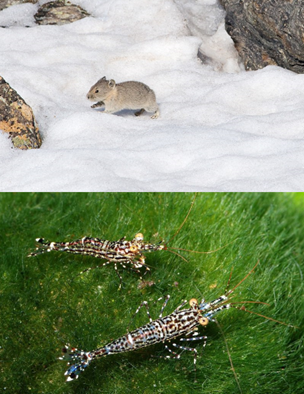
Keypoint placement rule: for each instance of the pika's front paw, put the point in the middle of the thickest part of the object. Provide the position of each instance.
(99, 104)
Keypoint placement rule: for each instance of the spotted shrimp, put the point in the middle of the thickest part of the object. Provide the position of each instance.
(164, 329)
(122, 252)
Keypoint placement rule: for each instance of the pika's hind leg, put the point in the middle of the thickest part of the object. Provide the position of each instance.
(139, 112)
(156, 114)
(153, 108)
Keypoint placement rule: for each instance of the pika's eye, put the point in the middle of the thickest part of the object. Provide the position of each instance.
(96, 91)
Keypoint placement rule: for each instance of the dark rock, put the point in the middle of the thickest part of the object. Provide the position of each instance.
(17, 119)
(59, 13)
(8, 3)
(267, 32)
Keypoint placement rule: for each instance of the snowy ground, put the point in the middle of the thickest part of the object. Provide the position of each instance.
(220, 128)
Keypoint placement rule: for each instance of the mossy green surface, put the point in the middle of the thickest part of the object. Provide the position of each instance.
(44, 303)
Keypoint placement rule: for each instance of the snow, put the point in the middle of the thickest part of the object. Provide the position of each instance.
(220, 128)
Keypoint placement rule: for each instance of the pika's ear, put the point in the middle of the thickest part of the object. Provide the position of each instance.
(112, 83)
(101, 79)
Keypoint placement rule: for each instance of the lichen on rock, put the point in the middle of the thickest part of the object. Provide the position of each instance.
(267, 32)
(8, 3)
(17, 119)
(59, 12)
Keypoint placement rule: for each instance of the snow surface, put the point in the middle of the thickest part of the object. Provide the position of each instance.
(220, 128)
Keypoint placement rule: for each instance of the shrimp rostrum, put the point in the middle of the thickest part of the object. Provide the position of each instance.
(164, 329)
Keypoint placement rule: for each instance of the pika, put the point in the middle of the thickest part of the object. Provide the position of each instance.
(126, 95)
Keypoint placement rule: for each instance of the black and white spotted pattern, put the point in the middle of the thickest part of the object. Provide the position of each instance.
(120, 252)
(180, 322)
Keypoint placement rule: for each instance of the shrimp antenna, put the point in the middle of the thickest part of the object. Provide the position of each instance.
(178, 254)
(265, 317)
(249, 273)
(184, 221)
(229, 355)
(209, 252)
(181, 226)
(251, 302)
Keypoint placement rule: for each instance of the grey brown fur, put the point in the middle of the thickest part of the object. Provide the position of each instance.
(126, 95)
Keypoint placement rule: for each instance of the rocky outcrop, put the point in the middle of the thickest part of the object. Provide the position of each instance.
(267, 32)
(8, 3)
(59, 13)
(17, 119)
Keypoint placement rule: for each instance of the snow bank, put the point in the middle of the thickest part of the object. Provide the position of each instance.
(220, 128)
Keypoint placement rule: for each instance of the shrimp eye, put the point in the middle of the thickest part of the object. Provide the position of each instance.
(203, 321)
(139, 237)
(193, 302)
(134, 248)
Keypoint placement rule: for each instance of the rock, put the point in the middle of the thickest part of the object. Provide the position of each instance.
(8, 3)
(267, 32)
(59, 13)
(17, 119)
